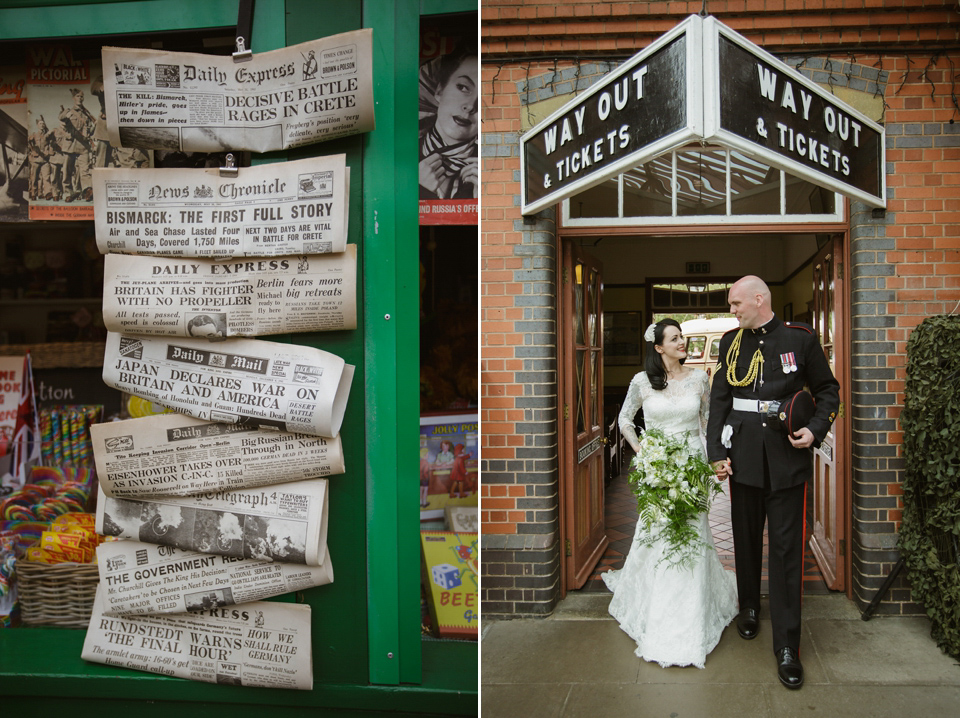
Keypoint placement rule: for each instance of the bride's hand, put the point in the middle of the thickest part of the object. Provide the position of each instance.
(723, 469)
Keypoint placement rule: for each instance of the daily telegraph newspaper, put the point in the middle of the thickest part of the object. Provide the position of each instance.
(294, 96)
(264, 644)
(246, 381)
(298, 207)
(157, 296)
(285, 522)
(177, 455)
(142, 578)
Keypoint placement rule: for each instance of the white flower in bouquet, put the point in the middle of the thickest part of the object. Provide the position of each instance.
(673, 486)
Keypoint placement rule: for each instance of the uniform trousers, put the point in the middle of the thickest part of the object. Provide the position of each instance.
(784, 511)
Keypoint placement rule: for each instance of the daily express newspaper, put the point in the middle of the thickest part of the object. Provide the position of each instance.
(157, 296)
(298, 207)
(247, 381)
(263, 643)
(142, 578)
(177, 455)
(285, 522)
(294, 96)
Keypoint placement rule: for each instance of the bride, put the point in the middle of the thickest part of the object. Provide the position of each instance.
(675, 614)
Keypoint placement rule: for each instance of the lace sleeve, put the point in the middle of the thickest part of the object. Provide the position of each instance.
(704, 384)
(631, 405)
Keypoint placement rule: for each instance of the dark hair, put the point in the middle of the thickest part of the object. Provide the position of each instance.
(653, 364)
(451, 61)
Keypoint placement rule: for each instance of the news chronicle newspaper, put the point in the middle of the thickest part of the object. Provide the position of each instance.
(282, 208)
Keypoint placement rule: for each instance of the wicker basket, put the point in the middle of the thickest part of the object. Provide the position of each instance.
(56, 594)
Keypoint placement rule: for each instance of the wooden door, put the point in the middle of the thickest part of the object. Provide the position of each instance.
(581, 415)
(830, 504)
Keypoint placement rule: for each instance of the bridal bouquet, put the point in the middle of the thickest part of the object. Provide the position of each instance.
(673, 486)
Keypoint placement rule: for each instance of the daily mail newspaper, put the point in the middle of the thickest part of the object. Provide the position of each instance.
(298, 95)
(248, 381)
(157, 296)
(285, 522)
(142, 578)
(263, 643)
(298, 207)
(177, 455)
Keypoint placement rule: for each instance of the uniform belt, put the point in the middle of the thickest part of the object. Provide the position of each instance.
(758, 407)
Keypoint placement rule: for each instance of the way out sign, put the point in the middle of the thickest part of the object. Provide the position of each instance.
(702, 81)
(647, 106)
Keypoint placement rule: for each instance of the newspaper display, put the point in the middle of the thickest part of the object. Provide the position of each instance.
(298, 95)
(264, 644)
(177, 455)
(249, 381)
(141, 578)
(157, 296)
(286, 523)
(283, 208)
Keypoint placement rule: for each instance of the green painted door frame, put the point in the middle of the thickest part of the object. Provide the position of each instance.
(368, 652)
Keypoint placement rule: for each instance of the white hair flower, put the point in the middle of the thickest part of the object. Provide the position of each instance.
(649, 334)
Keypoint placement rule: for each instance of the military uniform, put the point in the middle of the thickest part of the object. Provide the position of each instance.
(769, 475)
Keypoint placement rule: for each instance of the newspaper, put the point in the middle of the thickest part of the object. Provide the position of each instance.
(156, 296)
(264, 643)
(177, 455)
(286, 523)
(298, 207)
(249, 381)
(141, 578)
(298, 95)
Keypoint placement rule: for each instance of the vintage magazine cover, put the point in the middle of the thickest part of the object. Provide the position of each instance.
(263, 644)
(22, 154)
(141, 578)
(177, 455)
(68, 119)
(449, 562)
(298, 95)
(157, 296)
(287, 387)
(285, 522)
(449, 127)
(448, 463)
(282, 208)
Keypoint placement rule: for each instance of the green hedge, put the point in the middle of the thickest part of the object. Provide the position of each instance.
(930, 534)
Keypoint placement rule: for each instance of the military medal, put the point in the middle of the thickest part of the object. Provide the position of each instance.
(789, 362)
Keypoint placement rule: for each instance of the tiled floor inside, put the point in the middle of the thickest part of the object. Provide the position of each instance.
(621, 521)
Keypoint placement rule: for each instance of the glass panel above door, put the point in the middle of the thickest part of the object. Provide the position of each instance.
(702, 185)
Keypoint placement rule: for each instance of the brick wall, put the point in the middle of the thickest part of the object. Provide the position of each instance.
(904, 266)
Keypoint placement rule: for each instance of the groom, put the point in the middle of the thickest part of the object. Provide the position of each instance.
(768, 361)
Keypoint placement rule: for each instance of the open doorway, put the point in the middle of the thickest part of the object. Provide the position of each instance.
(640, 287)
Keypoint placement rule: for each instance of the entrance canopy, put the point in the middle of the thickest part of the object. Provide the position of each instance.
(702, 82)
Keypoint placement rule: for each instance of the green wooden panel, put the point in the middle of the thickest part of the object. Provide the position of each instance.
(23, 20)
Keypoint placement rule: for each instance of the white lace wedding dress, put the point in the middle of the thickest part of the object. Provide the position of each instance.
(675, 615)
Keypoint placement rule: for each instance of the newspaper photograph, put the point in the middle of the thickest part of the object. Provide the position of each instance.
(214, 299)
(262, 644)
(141, 578)
(271, 385)
(294, 96)
(177, 455)
(282, 208)
(285, 523)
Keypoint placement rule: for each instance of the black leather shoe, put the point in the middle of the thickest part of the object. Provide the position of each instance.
(789, 668)
(748, 623)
